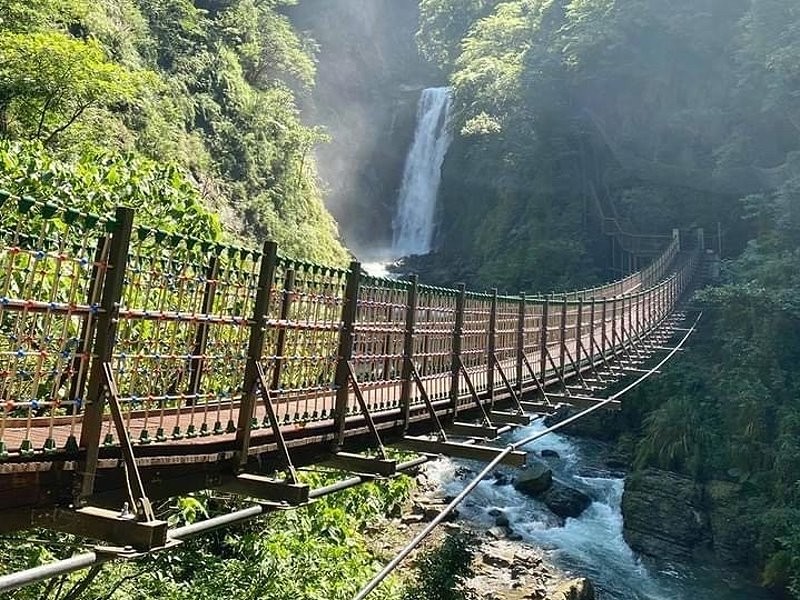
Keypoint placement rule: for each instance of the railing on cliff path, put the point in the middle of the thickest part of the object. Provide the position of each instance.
(109, 326)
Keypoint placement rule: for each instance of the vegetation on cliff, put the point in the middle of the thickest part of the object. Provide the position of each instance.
(207, 88)
(666, 114)
(729, 409)
(671, 114)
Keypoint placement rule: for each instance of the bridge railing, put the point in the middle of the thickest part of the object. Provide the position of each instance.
(187, 327)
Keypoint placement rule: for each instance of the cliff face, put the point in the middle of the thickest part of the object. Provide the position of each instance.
(368, 83)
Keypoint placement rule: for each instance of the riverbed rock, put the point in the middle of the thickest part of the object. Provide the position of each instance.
(664, 515)
(575, 589)
(565, 501)
(534, 479)
(547, 453)
(501, 479)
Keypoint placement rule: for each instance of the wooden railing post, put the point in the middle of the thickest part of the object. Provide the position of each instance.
(408, 352)
(640, 298)
(286, 311)
(592, 341)
(562, 353)
(631, 329)
(255, 346)
(81, 362)
(458, 332)
(543, 339)
(492, 349)
(603, 333)
(345, 352)
(520, 343)
(103, 347)
(578, 334)
(198, 361)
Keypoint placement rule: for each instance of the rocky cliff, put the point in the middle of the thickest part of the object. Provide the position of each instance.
(674, 517)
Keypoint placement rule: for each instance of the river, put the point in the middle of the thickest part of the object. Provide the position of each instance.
(591, 545)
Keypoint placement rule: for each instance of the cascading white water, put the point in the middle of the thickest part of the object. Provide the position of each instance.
(593, 544)
(413, 224)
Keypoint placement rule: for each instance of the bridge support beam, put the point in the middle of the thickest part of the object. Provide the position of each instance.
(356, 463)
(120, 529)
(266, 488)
(460, 450)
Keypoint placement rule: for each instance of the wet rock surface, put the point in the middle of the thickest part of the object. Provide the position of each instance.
(504, 567)
(665, 515)
(565, 501)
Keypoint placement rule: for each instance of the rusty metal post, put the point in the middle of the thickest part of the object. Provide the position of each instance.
(614, 323)
(543, 339)
(639, 316)
(520, 342)
(286, 311)
(78, 382)
(562, 349)
(458, 332)
(603, 334)
(408, 352)
(492, 349)
(103, 347)
(197, 365)
(578, 334)
(255, 346)
(345, 352)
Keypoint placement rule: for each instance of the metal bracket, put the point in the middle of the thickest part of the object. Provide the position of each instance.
(506, 383)
(558, 373)
(283, 449)
(460, 450)
(591, 357)
(427, 400)
(539, 385)
(473, 392)
(351, 373)
(138, 496)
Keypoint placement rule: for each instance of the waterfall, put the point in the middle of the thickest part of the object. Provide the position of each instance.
(413, 225)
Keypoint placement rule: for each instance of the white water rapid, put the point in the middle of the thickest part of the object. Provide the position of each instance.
(413, 225)
(591, 545)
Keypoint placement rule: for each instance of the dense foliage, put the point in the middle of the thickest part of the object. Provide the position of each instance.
(208, 87)
(442, 571)
(729, 410)
(665, 114)
(314, 553)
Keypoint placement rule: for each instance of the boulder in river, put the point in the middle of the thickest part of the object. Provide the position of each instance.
(575, 589)
(534, 479)
(565, 501)
(547, 453)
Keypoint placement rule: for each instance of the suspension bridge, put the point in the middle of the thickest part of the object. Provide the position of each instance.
(138, 364)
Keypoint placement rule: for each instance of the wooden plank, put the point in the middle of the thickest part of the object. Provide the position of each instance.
(105, 525)
(537, 407)
(356, 463)
(265, 488)
(473, 430)
(509, 418)
(587, 402)
(460, 450)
